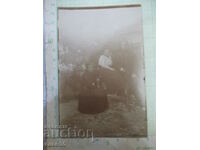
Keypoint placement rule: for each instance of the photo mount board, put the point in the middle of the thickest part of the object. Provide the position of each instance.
(50, 72)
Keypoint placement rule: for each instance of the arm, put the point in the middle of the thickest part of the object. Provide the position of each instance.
(110, 68)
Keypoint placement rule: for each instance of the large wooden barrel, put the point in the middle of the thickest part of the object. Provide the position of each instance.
(92, 101)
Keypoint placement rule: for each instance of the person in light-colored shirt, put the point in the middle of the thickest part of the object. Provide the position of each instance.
(105, 60)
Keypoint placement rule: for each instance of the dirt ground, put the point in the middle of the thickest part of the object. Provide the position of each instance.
(125, 117)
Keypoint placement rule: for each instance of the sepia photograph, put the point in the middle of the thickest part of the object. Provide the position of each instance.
(101, 70)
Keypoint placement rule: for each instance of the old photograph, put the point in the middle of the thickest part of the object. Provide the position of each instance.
(101, 73)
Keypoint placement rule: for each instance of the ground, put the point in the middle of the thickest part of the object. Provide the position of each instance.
(125, 117)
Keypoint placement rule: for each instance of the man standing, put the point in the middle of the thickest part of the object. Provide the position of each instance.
(111, 77)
